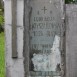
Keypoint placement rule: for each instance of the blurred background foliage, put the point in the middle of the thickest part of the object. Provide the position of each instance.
(1, 16)
(2, 44)
(70, 1)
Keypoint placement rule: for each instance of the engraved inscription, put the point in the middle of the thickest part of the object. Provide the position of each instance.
(45, 32)
(44, 9)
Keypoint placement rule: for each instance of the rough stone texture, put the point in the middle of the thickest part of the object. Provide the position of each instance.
(41, 61)
(45, 16)
(71, 40)
(14, 67)
(28, 13)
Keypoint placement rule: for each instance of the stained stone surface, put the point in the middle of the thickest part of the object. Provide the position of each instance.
(48, 62)
(45, 32)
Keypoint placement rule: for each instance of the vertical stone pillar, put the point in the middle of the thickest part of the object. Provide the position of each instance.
(14, 67)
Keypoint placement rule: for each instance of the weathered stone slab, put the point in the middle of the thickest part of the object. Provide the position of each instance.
(43, 37)
(71, 40)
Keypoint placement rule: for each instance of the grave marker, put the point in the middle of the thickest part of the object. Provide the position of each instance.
(43, 37)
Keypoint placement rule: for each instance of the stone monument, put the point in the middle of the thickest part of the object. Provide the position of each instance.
(35, 38)
(44, 34)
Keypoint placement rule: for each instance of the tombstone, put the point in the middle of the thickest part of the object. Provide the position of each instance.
(44, 37)
(35, 38)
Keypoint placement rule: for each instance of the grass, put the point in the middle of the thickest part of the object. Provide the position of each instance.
(2, 63)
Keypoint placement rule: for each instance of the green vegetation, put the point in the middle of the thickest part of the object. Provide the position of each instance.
(70, 1)
(1, 23)
(1, 16)
(1, 19)
(2, 60)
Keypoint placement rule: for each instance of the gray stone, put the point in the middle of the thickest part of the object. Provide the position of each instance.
(71, 40)
(43, 35)
(14, 67)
